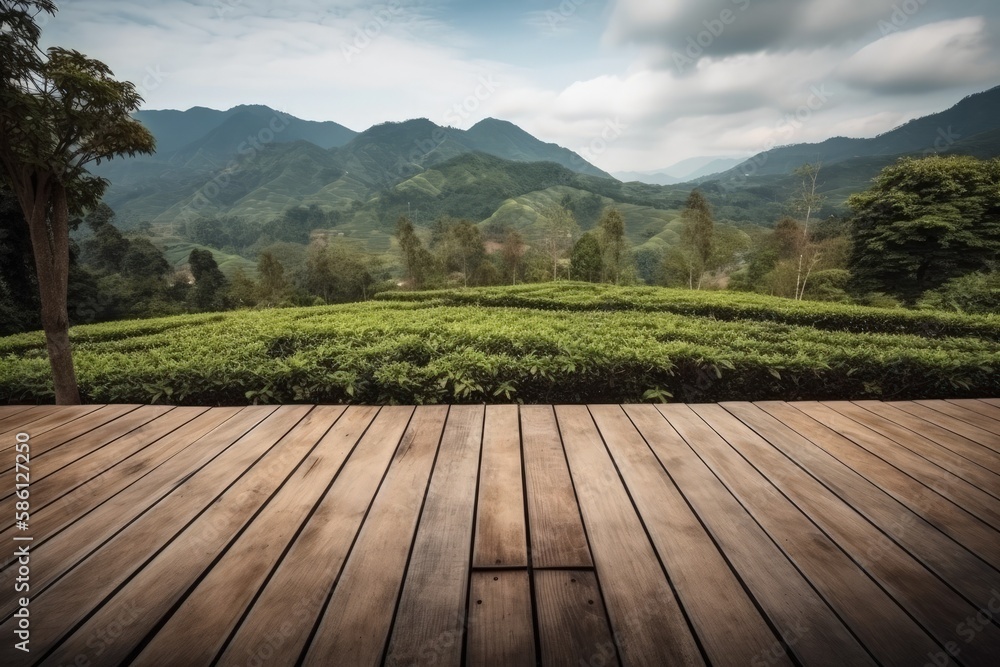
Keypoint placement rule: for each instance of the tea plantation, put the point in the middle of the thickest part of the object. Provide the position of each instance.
(551, 343)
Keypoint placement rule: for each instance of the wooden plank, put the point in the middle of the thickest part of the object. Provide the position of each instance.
(959, 444)
(207, 617)
(500, 535)
(82, 445)
(285, 612)
(50, 518)
(42, 420)
(915, 519)
(982, 407)
(646, 618)
(995, 402)
(930, 601)
(430, 619)
(15, 422)
(958, 412)
(983, 478)
(732, 634)
(183, 487)
(557, 535)
(500, 628)
(97, 460)
(965, 429)
(951, 486)
(779, 556)
(79, 427)
(162, 581)
(356, 626)
(11, 410)
(573, 626)
(249, 562)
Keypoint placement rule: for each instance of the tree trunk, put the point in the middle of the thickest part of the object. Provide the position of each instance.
(50, 245)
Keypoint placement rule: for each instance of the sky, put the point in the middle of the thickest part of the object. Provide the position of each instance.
(632, 85)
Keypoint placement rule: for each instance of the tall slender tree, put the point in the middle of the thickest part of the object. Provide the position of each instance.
(559, 229)
(697, 236)
(59, 111)
(614, 247)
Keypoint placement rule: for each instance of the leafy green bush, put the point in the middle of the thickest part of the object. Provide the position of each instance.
(583, 343)
(972, 293)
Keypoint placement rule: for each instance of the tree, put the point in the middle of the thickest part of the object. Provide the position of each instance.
(416, 259)
(209, 283)
(512, 256)
(614, 247)
(463, 248)
(925, 222)
(696, 237)
(273, 285)
(59, 112)
(806, 203)
(242, 291)
(559, 227)
(585, 262)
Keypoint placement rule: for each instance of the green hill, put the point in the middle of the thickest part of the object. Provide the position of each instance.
(554, 342)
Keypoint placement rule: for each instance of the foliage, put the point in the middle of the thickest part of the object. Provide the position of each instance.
(973, 293)
(925, 222)
(586, 261)
(614, 248)
(560, 229)
(567, 342)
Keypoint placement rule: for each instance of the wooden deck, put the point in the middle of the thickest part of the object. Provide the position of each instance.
(737, 534)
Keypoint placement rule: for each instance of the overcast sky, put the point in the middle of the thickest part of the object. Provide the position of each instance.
(629, 84)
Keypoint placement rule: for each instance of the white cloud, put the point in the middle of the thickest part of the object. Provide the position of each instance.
(946, 54)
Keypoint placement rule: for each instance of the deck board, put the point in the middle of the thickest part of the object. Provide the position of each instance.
(816, 533)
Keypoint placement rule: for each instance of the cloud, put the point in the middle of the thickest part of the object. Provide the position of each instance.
(727, 27)
(942, 55)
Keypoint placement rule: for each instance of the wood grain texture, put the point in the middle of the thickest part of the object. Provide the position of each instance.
(220, 497)
(974, 417)
(930, 601)
(733, 633)
(557, 535)
(356, 625)
(573, 626)
(131, 517)
(166, 579)
(38, 420)
(805, 621)
(951, 486)
(295, 594)
(953, 462)
(971, 450)
(815, 533)
(500, 628)
(645, 615)
(431, 617)
(909, 514)
(955, 424)
(500, 534)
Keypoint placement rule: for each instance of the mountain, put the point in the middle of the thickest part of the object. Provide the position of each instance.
(685, 170)
(506, 140)
(947, 131)
(239, 162)
(176, 130)
(494, 174)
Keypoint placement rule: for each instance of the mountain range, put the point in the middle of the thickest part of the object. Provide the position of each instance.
(255, 162)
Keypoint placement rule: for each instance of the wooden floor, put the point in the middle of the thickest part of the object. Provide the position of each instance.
(736, 534)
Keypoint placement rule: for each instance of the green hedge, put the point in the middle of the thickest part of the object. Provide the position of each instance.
(721, 305)
(419, 349)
